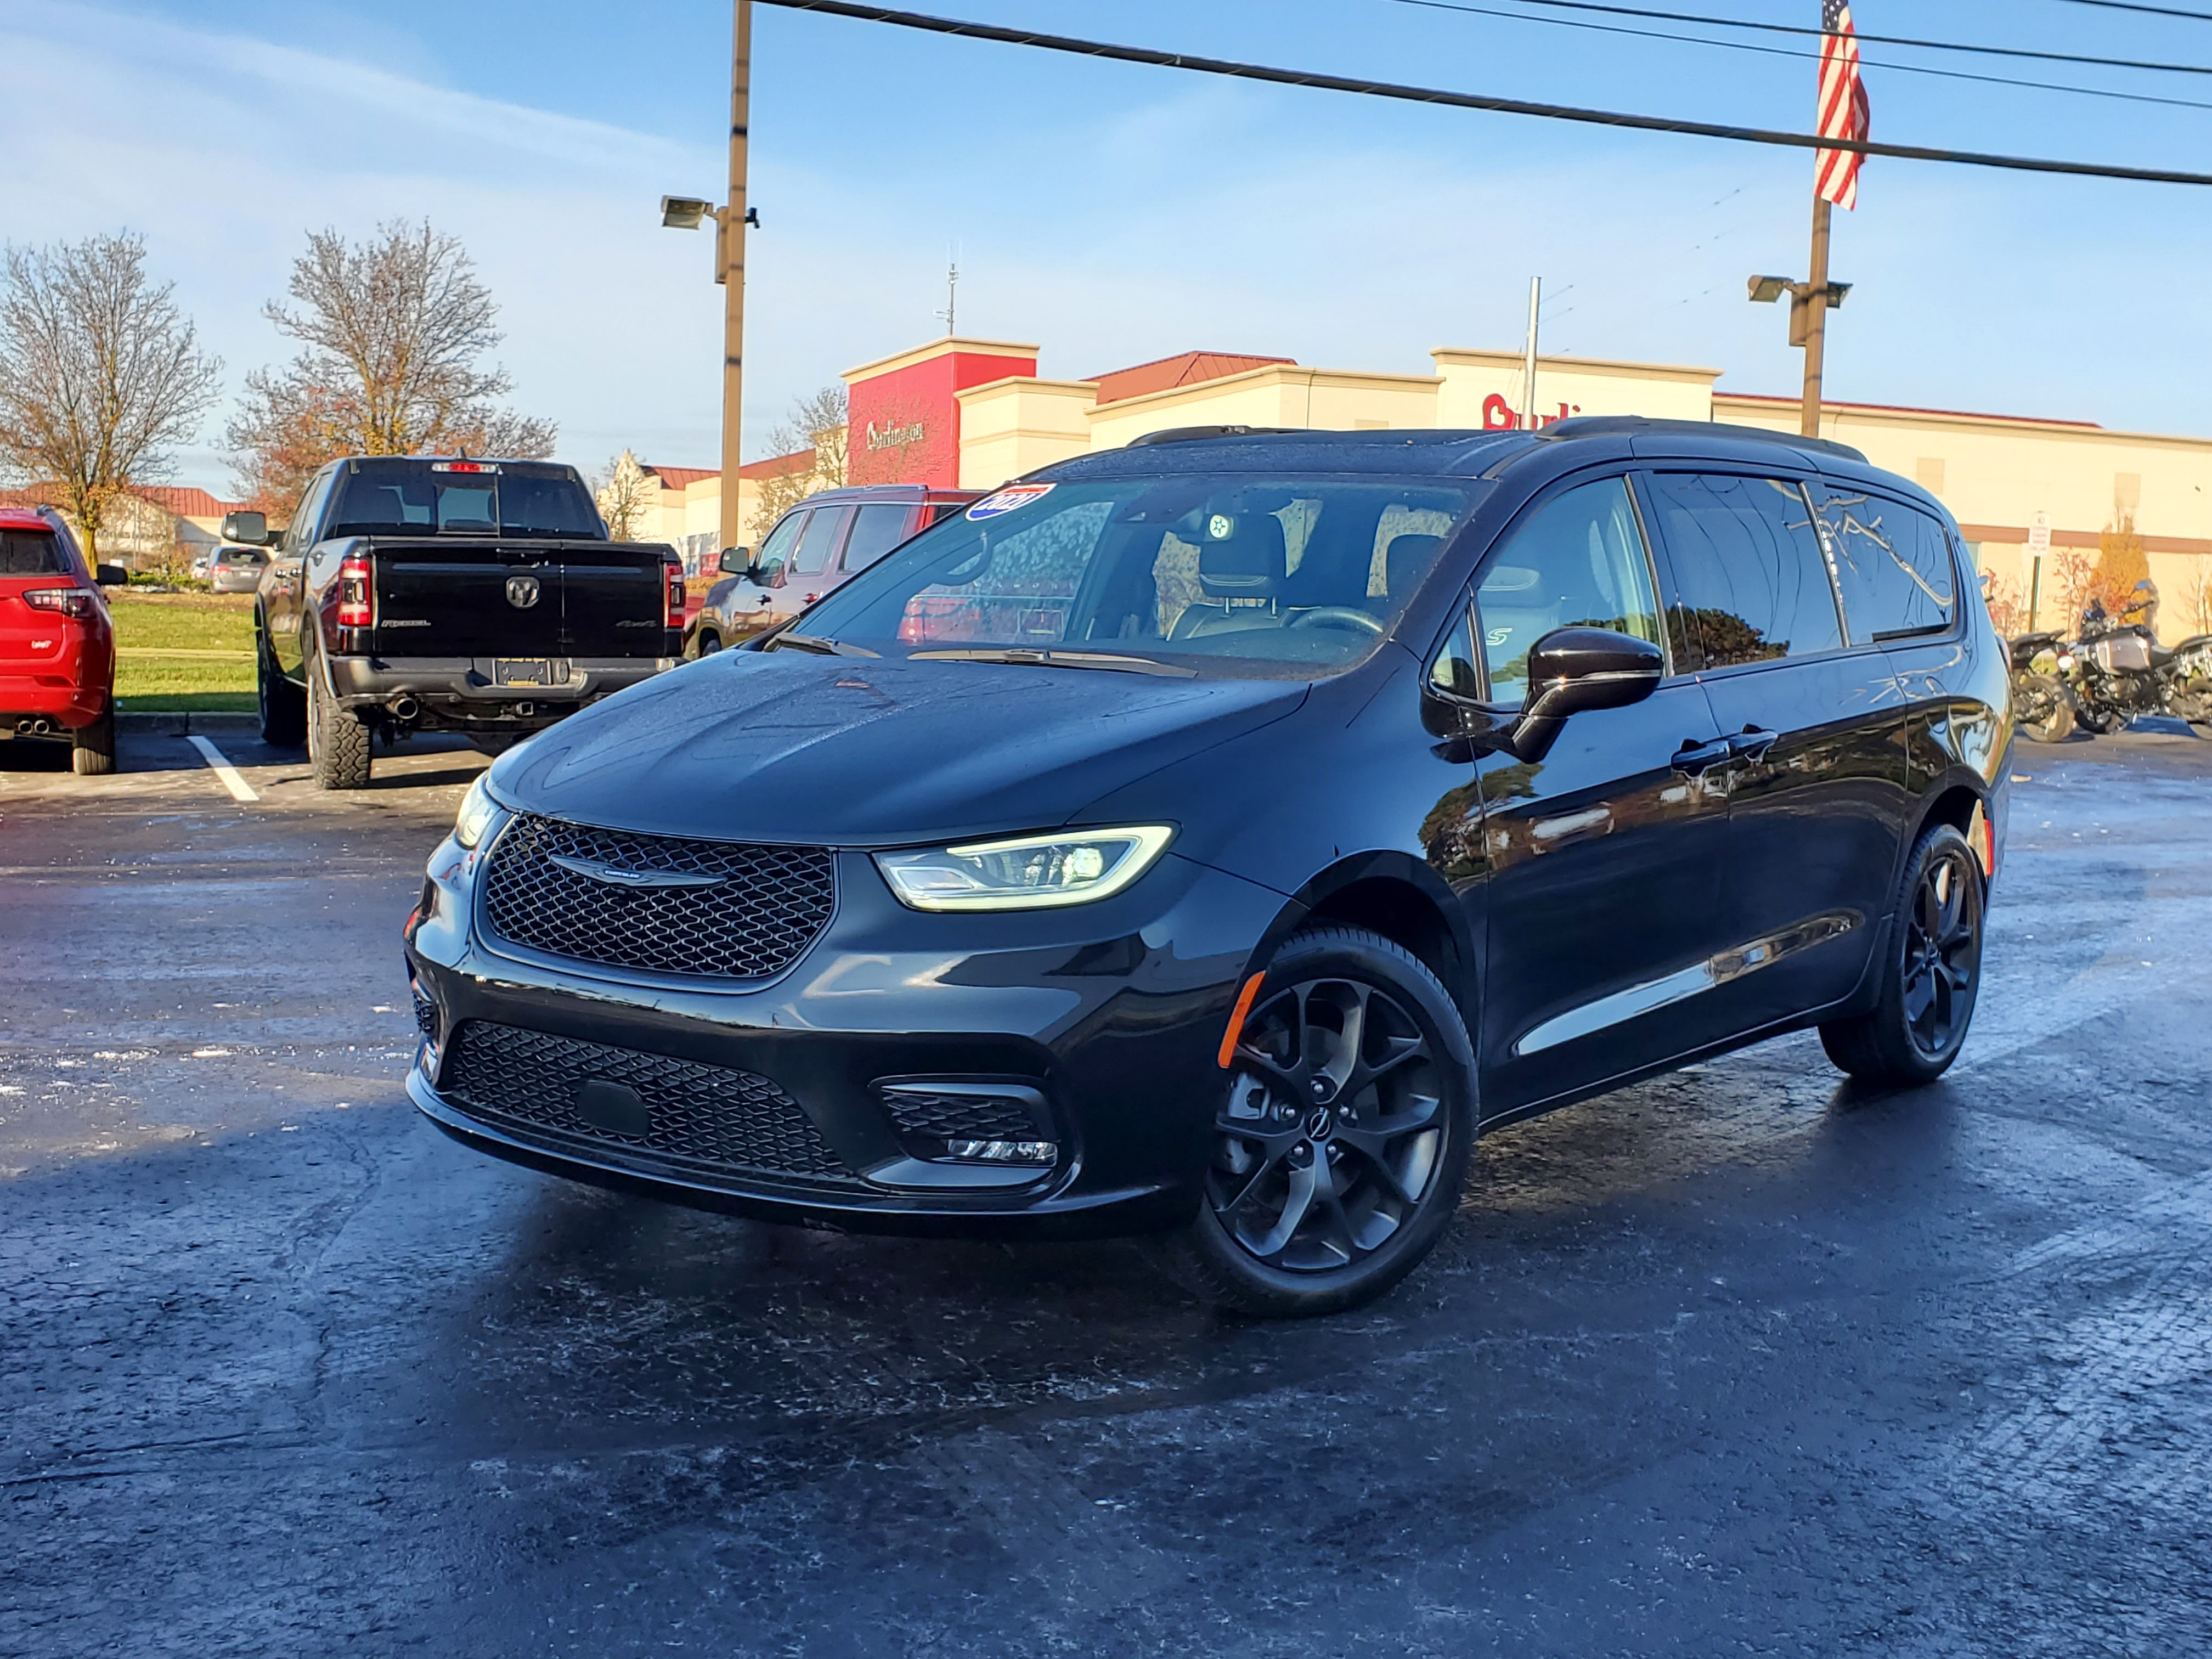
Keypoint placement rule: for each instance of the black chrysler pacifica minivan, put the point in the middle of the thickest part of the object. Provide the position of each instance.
(1207, 839)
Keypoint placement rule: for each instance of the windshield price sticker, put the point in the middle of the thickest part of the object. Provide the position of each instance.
(1006, 499)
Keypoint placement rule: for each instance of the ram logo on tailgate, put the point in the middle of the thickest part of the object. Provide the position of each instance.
(522, 592)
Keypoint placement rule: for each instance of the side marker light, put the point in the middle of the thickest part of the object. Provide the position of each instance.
(1245, 1000)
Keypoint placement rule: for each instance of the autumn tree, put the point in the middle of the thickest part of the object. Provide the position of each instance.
(394, 331)
(101, 375)
(817, 424)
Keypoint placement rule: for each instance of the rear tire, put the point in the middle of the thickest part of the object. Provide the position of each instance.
(1932, 974)
(93, 755)
(337, 743)
(2044, 707)
(1341, 1133)
(707, 643)
(283, 705)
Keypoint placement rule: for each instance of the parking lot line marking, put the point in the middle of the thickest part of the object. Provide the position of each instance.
(239, 789)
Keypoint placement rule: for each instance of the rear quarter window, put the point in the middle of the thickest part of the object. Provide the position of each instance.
(32, 553)
(1893, 563)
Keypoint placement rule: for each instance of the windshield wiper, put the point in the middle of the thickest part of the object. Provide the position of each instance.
(1024, 657)
(819, 646)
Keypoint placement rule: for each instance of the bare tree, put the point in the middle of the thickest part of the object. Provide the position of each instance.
(817, 424)
(395, 332)
(99, 375)
(624, 493)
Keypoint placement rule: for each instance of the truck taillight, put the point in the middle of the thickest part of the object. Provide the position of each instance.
(356, 593)
(672, 613)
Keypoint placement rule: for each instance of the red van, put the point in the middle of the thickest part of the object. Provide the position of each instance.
(56, 645)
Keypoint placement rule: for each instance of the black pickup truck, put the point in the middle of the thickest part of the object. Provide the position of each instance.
(418, 594)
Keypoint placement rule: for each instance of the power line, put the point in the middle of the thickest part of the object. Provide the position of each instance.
(1885, 65)
(2155, 11)
(1864, 39)
(1244, 71)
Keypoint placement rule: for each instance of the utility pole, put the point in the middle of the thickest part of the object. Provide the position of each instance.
(1816, 321)
(1528, 358)
(731, 225)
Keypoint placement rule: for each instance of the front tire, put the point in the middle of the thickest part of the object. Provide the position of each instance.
(93, 752)
(1342, 1135)
(283, 705)
(707, 644)
(1932, 974)
(337, 743)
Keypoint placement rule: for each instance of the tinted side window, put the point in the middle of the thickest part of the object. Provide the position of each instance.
(1894, 565)
(876, 530)
(1579, 560)
(300, 532)
(1457, 670)
(777, 548)
(812, 555)
(1747, 567)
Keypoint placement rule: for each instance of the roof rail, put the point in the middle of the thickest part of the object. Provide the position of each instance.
(1629, 426)
(1186, 434)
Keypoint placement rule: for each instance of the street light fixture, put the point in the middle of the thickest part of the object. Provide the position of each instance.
(1766, 290)
(684, 212)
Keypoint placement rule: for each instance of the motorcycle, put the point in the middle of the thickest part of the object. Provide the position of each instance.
(2115, 671)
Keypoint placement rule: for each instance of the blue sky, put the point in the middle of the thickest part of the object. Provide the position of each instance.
(1115, 213)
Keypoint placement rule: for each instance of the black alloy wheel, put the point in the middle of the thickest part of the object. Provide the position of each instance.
(1932, 975)
(1341, 1142)
(2043, 707)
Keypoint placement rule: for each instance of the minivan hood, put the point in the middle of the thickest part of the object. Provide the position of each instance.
(782, 747)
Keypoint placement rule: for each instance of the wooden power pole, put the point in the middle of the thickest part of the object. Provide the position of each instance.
(1816, 321)
(732, 230)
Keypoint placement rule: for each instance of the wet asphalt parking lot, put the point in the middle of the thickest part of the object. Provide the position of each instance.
(1736, 1362)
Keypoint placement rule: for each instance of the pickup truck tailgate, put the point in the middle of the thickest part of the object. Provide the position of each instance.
(450, 598)
(614, 597)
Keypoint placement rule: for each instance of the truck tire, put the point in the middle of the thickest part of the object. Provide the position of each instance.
(337, 743)
(95, 754)
(283, 705)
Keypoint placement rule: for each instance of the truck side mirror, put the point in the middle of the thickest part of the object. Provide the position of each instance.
(111, 575)
(251, 528)
(735, 561)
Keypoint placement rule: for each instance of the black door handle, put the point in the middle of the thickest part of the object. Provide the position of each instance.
(1694, 758)
(1752, 743)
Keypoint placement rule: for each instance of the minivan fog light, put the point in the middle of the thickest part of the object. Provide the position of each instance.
(1001, 1152)
(1026, 872)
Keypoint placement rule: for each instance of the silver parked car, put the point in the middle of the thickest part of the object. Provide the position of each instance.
(236, 569)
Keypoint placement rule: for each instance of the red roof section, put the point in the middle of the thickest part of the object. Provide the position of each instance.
(679, 477)
(1910, 409)
(779, 467)
(1184, 369)
(186, 501)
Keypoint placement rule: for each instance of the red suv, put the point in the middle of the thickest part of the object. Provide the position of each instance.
(56, 645)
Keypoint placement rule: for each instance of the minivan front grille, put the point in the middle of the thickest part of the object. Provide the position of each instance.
(715, 1115)
(662, 904)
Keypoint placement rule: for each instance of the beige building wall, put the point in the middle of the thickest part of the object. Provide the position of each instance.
(1483, 389)
(1279, 395)
(1010, 426)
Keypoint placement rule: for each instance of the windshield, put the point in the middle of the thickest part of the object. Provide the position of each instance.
(431, 498)
(1232, 573)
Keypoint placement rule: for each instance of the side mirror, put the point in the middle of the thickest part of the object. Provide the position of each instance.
(111, 575)
(1579, 670)
(735, 561)
(251, 528)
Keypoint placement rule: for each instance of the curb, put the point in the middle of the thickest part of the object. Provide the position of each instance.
(183, 723)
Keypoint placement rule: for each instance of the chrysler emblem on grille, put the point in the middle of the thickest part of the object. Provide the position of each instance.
(522, 592)
(615, 875)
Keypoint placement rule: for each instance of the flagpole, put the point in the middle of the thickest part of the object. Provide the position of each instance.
(1816, 320)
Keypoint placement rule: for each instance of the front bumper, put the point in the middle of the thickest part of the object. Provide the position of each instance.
(1111, 1013)
(467, 694)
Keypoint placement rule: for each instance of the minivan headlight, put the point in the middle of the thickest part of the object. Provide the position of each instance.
(477, 811)
(1027, 873)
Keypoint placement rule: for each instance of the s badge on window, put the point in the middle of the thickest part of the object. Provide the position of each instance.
(522, 592)
(1006, 499)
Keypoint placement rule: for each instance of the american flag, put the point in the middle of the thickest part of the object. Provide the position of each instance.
(1844, 112)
